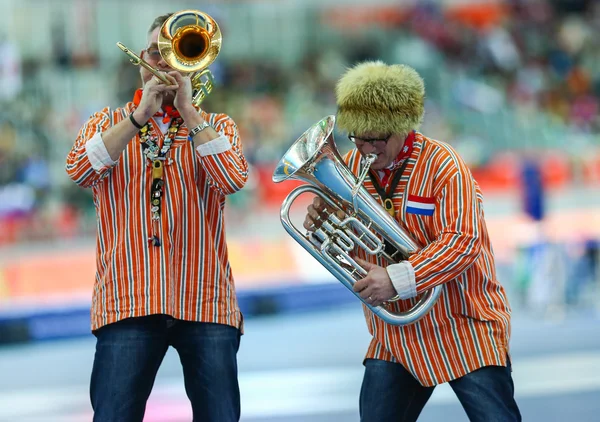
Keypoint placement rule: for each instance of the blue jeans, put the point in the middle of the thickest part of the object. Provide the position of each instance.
(390, 393)
(129, 353)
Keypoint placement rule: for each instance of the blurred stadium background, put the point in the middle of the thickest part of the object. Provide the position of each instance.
(514, 85)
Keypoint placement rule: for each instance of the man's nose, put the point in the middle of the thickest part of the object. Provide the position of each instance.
(367, 148)
(162, 64)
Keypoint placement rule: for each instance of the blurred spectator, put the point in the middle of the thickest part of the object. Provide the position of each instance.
(583, 277)
(11, 80)
(523, 57)
(533, 189)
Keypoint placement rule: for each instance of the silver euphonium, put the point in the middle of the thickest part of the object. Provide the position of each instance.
(314, 158)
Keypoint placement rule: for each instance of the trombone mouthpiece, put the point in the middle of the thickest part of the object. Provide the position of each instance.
(132, 56)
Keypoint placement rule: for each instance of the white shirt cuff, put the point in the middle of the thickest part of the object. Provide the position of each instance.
(403, 279)
(97, 153)
(216, 146)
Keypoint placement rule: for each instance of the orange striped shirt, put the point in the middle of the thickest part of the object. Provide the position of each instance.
(469, 327)
(189, 275)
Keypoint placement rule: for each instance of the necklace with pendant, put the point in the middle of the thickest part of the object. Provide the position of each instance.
(157, 156)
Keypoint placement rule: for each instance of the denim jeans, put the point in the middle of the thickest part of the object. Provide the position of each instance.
(129, 353)
(390, 393)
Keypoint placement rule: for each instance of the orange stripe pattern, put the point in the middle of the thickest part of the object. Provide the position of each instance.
(469, 327)
(189, 276)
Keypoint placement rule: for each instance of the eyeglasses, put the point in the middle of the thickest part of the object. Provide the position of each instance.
(373, 141)
(153, 54)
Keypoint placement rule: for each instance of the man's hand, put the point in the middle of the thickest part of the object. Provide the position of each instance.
(376, 287)
(152, 97)
(318, 212)
(183, 95)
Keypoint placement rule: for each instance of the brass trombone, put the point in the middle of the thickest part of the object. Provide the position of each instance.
(189, 41)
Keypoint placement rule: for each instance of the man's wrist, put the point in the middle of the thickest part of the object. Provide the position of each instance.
(197, 129)
(140, 117)
(403, 279)
(190, 116)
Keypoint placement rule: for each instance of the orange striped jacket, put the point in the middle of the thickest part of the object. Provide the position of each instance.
(469, 327)
(189, 276)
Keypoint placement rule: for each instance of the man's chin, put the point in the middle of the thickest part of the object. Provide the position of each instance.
(168, 100)
(378, 164)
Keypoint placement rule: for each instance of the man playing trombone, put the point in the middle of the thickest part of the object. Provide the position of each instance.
(160, 168)
(429, 191)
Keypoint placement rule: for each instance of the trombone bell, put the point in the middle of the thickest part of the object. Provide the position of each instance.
(190, 44)
(189, 41)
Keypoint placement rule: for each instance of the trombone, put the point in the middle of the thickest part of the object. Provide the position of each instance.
(189, 41)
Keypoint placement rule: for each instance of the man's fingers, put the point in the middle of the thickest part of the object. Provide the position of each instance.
(365, 264)
(313, 219)
(366, 294)
(318, 203)
(155, 81)
(309, 224)
(177, 77)
(360, 285)
(314, 213)
(159, 80)
(375, 302)
(166, 88)
(170, 78)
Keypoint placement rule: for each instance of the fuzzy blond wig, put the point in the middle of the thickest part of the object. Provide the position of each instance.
(375, 97)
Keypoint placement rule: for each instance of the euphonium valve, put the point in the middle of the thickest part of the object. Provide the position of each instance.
(314, 158)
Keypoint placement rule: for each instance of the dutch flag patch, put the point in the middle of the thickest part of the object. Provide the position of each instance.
(420, 205)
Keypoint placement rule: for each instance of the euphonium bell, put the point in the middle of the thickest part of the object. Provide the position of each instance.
(189, 41)
(314, 159)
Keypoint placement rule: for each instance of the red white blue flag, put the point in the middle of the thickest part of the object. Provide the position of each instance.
(420, 205)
